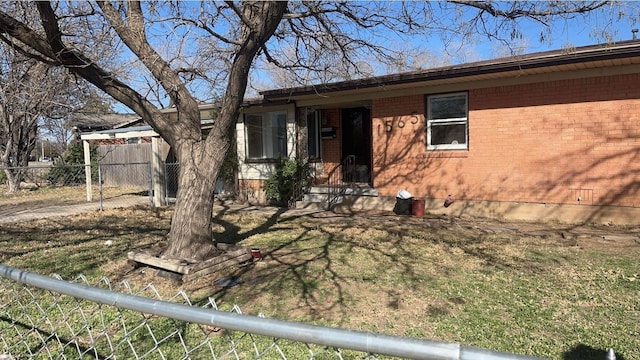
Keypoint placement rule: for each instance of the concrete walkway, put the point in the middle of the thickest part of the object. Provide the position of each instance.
(43, 212)
(12, 216)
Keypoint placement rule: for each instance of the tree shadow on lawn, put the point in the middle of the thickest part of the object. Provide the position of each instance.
(324, 264)
(318, 268)
(69, 246)
(233, 234)
(358, 271)
(586, 352)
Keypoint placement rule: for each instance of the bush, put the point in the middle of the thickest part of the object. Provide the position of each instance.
(287, 182)
(230, 164)
(70, 170)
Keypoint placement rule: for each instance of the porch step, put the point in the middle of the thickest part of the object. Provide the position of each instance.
(358, 189)
(311, 205)
(317, 195)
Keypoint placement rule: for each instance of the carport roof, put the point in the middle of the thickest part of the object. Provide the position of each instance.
(130, 132)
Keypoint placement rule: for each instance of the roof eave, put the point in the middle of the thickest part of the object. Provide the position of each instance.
(509, 65)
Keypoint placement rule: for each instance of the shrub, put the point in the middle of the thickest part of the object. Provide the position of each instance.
(69, 171)
(288, 180)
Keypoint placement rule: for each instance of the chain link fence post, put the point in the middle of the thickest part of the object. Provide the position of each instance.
(151, 185)
(100, 186)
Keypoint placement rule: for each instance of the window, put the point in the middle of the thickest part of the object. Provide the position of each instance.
(266, 135)
(313, 135)
(447, 122)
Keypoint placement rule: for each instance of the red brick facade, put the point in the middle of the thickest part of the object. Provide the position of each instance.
(331, 147)
(549, 142)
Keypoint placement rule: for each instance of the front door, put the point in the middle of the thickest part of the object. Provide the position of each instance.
(356, 141)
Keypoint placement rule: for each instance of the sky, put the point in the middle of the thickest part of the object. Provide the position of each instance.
(602, 26)
(592, 29)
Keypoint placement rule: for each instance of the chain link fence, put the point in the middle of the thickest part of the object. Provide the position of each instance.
(42, 190)
(225, 189)
(126, 184)
(170, 182)
(48, 318)
(45, 189)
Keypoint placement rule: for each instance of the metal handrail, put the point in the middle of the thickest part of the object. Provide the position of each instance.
(338, 178)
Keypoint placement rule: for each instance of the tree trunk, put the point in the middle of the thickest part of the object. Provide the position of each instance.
(200, 161)
(13, 181)
(191, 236)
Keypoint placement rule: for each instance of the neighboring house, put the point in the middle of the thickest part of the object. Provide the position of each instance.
(552, 135)
(88, 122)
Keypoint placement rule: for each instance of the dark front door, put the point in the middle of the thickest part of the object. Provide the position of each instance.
(356, 141)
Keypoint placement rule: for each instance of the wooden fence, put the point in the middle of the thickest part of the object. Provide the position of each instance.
(126, 165)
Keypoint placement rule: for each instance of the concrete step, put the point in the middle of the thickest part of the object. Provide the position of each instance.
(315, 197)
(361, 191)
(311, 205)
(353, 189)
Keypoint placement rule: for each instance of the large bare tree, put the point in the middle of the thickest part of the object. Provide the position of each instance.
(182, 49)
(31, 94)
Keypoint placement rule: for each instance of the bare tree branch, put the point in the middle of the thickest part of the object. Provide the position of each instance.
(134, 37)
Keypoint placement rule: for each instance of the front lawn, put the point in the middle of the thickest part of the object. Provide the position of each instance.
(546, 290)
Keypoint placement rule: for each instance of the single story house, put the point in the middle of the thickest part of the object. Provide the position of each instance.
(545, 136)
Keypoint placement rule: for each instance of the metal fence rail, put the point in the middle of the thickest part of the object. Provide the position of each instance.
(36, 321)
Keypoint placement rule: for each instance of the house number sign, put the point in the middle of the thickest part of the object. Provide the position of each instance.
(401, 123)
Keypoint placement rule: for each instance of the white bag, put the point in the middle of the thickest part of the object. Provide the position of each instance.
(403, 194)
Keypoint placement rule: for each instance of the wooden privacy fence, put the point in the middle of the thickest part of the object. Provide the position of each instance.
(130, 158)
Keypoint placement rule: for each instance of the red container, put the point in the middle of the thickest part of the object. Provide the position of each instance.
(255, 253)
(417, 207)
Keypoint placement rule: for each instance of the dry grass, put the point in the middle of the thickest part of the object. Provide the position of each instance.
(31, 197)
(539, 289)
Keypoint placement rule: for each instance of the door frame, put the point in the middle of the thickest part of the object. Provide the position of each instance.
(357, 140)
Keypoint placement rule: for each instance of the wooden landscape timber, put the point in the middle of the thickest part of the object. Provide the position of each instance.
(185, 270)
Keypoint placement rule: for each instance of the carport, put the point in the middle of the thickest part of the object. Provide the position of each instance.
(126, 133)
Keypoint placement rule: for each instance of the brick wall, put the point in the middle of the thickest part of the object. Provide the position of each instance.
(550, 142)
(251, 191)
(331, 147)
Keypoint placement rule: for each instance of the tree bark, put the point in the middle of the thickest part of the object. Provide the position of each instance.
(13, 182)
(191, 235)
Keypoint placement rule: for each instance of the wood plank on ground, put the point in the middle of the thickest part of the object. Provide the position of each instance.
(218, 259)
(233, 255)
(178, 266)
(238, 260)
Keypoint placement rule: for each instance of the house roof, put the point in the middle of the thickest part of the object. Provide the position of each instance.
(593, 56)
(131, 132)
(96, 122)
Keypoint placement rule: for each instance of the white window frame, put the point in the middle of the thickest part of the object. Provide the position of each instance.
(269, 139)
(448, 121)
